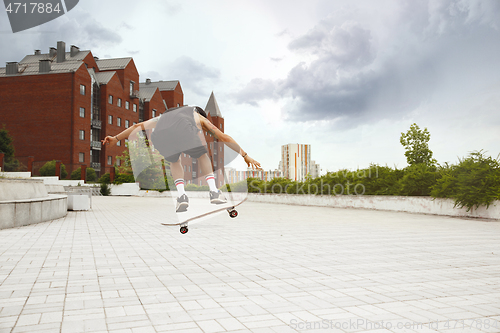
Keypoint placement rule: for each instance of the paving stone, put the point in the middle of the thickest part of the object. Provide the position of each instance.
(116, 269)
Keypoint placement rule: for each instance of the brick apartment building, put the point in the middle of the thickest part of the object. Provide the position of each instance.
(60, 105)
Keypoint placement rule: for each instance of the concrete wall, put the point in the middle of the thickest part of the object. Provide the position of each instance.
(125, 189)
(25, 201)
(18, 189)
(11, 175)
(422, 205)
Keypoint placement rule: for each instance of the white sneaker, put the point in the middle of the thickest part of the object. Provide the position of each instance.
(182, 203)
(216, 197)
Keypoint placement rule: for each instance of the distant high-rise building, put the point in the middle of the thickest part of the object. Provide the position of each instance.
(315, 170)
(295, 161)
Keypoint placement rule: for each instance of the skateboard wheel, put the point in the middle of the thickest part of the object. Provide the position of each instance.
(184, 230)
(233, 213)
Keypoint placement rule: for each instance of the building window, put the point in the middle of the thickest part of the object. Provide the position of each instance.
(134, 107)
(118, 162)
(127, 105)
(119, 102)
(119, 122)
(82, 112)
(132, 87)
(154, 113)
(81, 157)
(82, 135)
(82, 89)
(110, 160)
(110, 120)
(119, 143)
(126, 123)
(178, 105)
(110, 99)
(134, 123)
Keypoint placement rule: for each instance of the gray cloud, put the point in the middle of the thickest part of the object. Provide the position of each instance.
(256, 90)
(79, 28)
(447, 45)
(192, 73)
(346, 45)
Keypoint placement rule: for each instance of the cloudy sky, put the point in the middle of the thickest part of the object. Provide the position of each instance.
(346, 77)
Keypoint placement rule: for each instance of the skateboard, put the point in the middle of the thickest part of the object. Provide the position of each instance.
(184, 225)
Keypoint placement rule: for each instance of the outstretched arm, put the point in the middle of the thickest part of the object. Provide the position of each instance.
(210, 128)
(112, 140)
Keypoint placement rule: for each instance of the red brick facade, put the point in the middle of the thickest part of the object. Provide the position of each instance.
(49, 114)
(173, 98)
(64, 113)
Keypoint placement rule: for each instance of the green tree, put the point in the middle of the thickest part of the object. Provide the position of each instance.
(49, 169)
(91, 175)
(415, 141)
(151, 177)
(6, 142)
(7, 147)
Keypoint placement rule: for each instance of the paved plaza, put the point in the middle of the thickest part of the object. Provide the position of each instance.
(275, 268)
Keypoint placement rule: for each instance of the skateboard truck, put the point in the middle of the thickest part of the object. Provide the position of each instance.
(232, 213)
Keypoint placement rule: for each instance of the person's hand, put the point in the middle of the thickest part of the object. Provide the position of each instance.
(251, 162)
(111, 140)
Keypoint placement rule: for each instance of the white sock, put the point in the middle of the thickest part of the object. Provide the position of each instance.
(179, 184)
(211, 182)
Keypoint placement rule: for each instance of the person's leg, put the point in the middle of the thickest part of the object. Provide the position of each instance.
(206, 170)
(206, 165)
(178, 176)
(176, 169)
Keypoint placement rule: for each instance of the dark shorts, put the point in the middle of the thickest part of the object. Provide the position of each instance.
(194, 153)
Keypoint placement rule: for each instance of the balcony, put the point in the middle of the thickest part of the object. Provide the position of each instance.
(134, 94)
(96, 123)
(95, 165)
(95, 145)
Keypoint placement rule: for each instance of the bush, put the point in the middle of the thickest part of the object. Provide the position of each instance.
(91, 175)
(254, 185)
(11, 164)
(474, 182)
(123, 178)
(105, 190)
(418, 180)
(383, 180)
(194, 187)
(120, 178)
(49, 169)
(104, 179)
(241, 186)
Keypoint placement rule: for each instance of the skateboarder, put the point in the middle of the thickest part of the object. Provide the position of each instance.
(177, 131)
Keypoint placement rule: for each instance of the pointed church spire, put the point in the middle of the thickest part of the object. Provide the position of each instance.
(212, 107)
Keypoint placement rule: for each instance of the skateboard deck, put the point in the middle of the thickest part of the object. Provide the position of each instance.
(184, 224)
